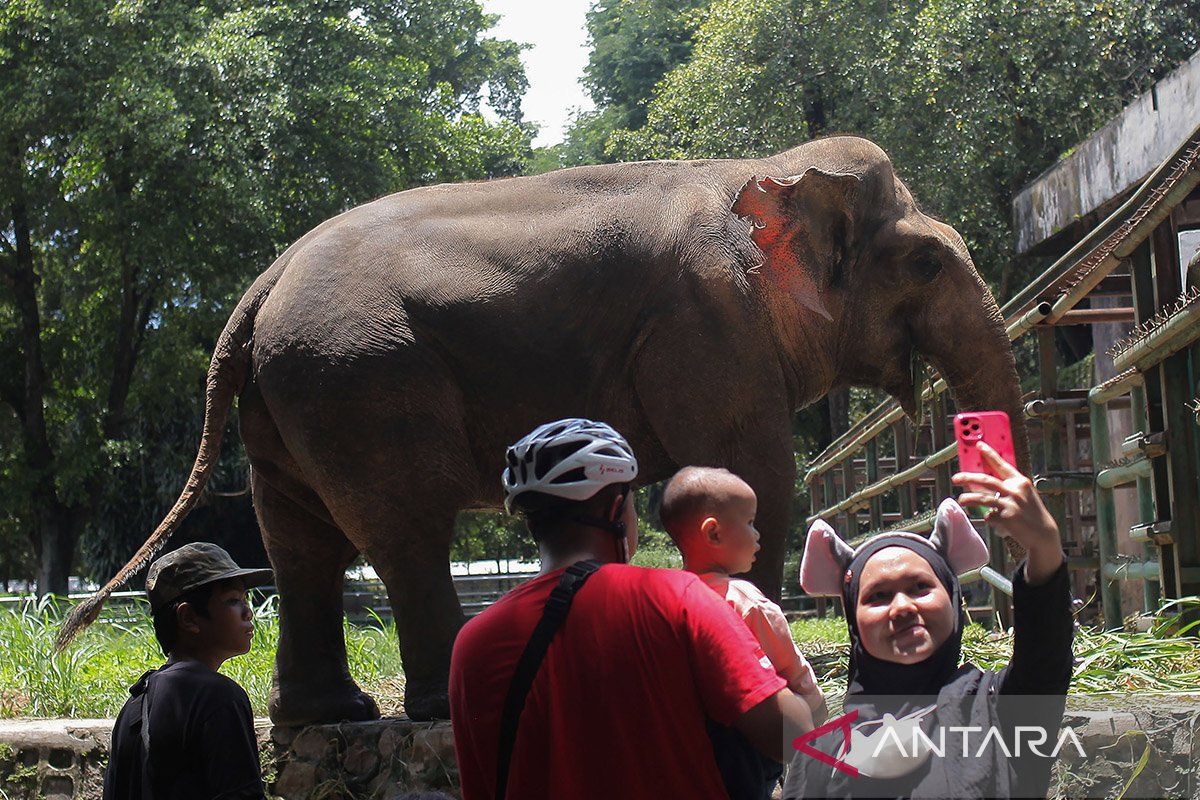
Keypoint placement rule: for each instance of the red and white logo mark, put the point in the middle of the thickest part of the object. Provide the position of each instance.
(843, 724)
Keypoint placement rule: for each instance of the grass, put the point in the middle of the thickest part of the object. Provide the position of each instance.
(91, 678)
(1106, 662)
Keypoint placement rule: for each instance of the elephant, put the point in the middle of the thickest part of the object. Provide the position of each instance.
(384, 362)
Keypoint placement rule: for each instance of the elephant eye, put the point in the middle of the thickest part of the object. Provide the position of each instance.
(926, 269)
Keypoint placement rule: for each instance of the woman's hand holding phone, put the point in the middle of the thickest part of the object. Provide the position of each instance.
(1016, 509)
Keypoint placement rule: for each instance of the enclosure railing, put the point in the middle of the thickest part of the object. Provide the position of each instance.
(1133, 253)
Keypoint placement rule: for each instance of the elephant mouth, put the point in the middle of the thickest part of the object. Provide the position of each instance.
(908, 391)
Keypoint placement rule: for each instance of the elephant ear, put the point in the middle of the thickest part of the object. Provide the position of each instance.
(826, 557)
(802, 225)
(956, 540)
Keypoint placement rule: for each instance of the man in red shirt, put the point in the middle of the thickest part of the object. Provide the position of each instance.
(618, 705)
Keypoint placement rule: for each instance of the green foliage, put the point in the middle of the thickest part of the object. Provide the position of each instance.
(1160, 660)
(587, 136)
(635, 43)
(971, 99)
(155, 157)
(480, 536)
(92, 678)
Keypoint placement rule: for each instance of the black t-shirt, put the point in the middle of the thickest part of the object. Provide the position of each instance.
(201, 737)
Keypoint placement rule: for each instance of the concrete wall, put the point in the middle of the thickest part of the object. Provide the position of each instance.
(65, 759)
(1113, 160)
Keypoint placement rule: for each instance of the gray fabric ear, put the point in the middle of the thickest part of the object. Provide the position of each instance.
(956, 540)
(826, 557)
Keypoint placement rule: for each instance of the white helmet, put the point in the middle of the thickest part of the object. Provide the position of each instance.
(544, 461)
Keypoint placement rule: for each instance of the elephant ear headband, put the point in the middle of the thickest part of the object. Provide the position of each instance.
(827, 557)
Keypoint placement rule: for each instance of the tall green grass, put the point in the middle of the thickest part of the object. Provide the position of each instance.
(91, 678)
(1164, 659)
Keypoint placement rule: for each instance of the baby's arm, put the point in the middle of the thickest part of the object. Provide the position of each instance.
(770, 627)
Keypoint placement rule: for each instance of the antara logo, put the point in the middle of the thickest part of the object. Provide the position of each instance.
(843, 724)
(1030, 737)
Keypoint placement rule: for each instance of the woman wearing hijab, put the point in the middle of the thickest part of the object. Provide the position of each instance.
(903, 608)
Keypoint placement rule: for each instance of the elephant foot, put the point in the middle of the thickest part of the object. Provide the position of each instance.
(423, 704)
(294, 706)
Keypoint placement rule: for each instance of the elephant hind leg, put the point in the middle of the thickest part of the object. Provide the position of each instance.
(413, 559)
(312, 682)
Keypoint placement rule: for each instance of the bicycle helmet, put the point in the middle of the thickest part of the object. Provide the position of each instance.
(571, 458)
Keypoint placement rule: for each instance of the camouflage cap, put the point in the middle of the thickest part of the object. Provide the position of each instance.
(192, 566)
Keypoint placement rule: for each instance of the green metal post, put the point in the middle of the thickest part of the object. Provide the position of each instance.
(849, 483)
(1183, 453)
(1151, 595)
(939, 433)
(907, 493)
(872, 476)
(1051, 425)
(1106, 521)
(1147, 298)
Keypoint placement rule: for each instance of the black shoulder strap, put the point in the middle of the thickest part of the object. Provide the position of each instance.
(553, 616)
(147, 779)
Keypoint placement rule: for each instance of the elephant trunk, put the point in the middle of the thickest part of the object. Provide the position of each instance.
(971, 349)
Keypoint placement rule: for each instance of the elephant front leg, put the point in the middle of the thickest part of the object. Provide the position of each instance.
(311, 682)
(414, 565)
(773, 479)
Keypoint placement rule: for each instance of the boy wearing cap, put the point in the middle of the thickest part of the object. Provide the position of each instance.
(187, 731)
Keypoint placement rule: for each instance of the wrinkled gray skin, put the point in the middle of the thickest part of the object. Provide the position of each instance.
(399, 348)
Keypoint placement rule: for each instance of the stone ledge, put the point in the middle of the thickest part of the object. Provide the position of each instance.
(379, 760)
(382, 760)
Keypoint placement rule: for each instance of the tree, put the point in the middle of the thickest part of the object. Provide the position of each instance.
(634, 44)
(154, 158)
(971, 99)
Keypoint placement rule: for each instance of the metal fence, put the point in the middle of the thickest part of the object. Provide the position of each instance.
(882, 472)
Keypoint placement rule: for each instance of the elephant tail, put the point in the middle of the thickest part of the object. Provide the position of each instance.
(226, 376)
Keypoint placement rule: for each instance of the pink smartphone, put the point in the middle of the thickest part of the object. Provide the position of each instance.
(987, 426)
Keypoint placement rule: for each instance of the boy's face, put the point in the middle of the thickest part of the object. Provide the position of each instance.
(736, 534)
(229, 627)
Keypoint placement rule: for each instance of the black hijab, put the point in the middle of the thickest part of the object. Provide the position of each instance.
(964, 695)
(880, 679)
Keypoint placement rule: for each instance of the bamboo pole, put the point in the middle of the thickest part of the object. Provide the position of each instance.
(860, 498)
(1106, 521)
(1176, 333)
(1124, 474)
(1117, 386)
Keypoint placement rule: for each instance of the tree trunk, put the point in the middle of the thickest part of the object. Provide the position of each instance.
(57, 526)
(839, 412)
(58, 532)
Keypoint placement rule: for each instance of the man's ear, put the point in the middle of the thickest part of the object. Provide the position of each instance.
(614, 508)
(710, 529)
(804, 227)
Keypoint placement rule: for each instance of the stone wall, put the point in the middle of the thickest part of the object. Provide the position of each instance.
(1151, 745)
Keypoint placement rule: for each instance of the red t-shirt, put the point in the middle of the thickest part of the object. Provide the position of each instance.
(618, 707)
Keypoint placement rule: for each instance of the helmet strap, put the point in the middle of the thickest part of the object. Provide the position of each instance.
(614, 526)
